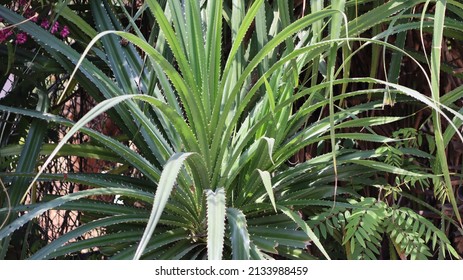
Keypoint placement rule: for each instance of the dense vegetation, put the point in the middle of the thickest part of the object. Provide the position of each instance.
(245, 129)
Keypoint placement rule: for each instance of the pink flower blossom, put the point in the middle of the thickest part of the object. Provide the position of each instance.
(45, 23)
(30, 14)
(54, 28)
(22, 2)
(5, 34)
(21, 38)
(65, 31)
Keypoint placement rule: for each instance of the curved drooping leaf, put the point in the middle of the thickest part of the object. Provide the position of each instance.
(165, 186)
(41, 208)
(111, 220)
(266, 180)
(303, 225)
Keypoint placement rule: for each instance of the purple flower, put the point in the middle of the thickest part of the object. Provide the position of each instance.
(5, 34)
(54, 28)
(30, 14)
(21, 38)
(65, 31)
(22, 2)
(45, 23)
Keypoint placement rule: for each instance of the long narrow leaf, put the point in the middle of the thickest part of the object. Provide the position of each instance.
(215, 223)
(303, 225)
(238, 234)
(166, 184)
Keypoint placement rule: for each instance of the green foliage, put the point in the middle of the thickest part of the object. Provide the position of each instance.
(213, 103)
(239, 235)
(365, 226)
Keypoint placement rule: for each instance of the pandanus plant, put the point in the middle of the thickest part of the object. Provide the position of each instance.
(211, 125)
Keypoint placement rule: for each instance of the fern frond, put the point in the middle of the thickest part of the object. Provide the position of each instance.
(411, 234)
(364, 229)
(359, 228)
